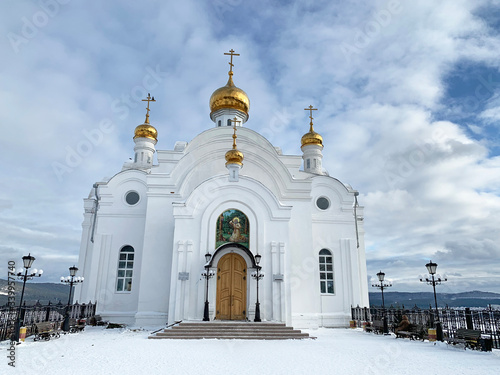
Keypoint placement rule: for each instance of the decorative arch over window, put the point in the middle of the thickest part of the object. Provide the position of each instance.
(232, 226)
(326, 279)
(125, 269)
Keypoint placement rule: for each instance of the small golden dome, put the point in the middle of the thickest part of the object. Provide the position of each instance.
(230, 96)
(234, 156)
(146, 131)
(312, 138)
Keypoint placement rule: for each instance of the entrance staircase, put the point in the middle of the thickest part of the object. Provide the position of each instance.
(231, 330)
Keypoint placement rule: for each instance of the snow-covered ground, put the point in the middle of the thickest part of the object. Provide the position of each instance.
(335, 351)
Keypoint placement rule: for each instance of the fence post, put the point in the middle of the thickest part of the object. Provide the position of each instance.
(468, 318)
(47, 313)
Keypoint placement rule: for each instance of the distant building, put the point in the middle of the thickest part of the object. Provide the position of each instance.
(230, 193)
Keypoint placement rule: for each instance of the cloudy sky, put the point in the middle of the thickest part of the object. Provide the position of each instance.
(408, 96)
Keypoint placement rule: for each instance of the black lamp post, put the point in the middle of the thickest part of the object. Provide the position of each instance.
(257, 275)
(207, 275)
(431, 268)
(27, 262)
(381, 285)
(70, 280)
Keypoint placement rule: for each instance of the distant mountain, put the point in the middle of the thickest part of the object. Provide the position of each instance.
(424, 299)
(43, 292)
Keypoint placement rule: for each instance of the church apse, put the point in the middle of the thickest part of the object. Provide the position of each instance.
(232, 226)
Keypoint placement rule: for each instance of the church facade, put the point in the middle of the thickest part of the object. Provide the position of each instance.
(272, 232)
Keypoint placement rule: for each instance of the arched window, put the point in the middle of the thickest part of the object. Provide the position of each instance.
(326, 272)
(125, 269)
(229, 122)
(219, 123)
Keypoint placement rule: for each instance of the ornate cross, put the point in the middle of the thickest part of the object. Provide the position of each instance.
(148, 99)
(235, 120)
(311, 109)
(231, 53)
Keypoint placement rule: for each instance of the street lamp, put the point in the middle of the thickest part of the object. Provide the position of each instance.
(207, 274)
(70, 280)
(257, 275)
(381, 285)
(27, 262)
(431, 268)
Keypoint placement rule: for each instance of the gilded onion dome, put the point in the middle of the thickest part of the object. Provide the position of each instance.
(230, 96)
(234, 156)
(311, 138)
(146, 130)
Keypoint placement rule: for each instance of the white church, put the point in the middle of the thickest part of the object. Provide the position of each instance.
(274, 232)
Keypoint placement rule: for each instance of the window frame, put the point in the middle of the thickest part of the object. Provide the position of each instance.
(326, 272)
(328, 202)
(125, 269)
(127, 195)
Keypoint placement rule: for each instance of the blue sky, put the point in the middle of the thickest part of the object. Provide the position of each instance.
(407, 92)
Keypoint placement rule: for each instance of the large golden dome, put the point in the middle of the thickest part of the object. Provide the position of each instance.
(231, 97)
(312, 138)
(146, 131)
(234, 156)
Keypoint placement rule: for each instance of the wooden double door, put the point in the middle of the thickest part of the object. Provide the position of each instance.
(231, 297)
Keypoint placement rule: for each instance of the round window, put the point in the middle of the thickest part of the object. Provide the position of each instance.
(322, 203)
(132, 197)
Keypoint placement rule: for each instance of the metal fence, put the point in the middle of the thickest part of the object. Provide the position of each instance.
(41, 313)
(485, 320)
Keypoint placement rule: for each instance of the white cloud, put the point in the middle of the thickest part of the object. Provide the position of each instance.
(376, 71)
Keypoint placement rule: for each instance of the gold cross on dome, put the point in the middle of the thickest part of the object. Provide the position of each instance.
(311, 109)
(235, 120)
(148, 99)
(231, 53)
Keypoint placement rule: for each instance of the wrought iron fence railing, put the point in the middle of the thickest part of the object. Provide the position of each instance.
(485, 320)
(41, 313)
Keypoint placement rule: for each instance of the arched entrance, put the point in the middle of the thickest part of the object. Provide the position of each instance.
(231, 297)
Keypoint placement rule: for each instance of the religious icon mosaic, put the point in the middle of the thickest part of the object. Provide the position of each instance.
(232, 226)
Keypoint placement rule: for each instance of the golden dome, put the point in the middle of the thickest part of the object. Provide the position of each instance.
(312, 138)
(234, 156)
(146, 131)
(230, 96)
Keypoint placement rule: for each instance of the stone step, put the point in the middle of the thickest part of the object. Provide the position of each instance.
(229, 338)
(232, 333)
(231, 330)
(236, 324)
